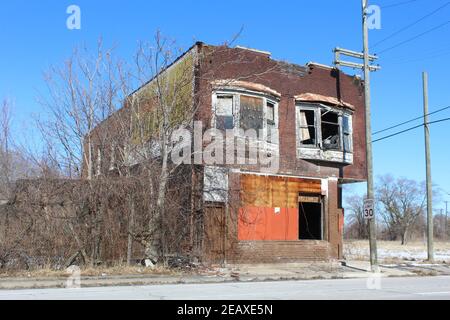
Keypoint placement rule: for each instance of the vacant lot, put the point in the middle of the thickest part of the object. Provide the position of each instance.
(393, 251)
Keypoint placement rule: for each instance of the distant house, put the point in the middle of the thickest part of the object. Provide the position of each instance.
(293, 213)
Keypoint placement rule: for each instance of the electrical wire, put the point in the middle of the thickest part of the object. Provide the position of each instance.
(409, 121)
(415, 37)
(397, 133)
(397, 4)
(443, 48)
(410, 129)
(411, 24)
(441, 53)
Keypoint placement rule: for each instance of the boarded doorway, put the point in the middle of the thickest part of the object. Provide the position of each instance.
(214, 240)
(310, 217)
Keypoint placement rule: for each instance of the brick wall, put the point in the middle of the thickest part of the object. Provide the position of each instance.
(281, 251)
(289, 80)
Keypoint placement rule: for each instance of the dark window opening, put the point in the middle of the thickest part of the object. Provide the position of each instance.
(330, 130)
(271, 125)
(310, 221)
(252, 113)
(307, 127)
(270, 113)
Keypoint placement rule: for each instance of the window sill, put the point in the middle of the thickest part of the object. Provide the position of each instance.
(324, 155)
(261, 144)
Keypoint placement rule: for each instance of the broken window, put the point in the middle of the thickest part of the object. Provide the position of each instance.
(310, 217)
(215, 184)
(224, 113)
(330, 130)
(307, 128)
(325, 128)
(252, 113)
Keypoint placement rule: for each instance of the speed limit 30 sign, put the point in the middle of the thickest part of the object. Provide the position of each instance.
(368, 209)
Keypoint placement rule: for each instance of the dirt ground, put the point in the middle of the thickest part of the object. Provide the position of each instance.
(393, 251)
(92, 272)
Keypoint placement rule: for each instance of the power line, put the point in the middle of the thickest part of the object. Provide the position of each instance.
(397, 133)
(409, 129)
(441, 53)
(425, 52)
(440, 120)
(409, 121)
(411, 24)
(397, 4)
(415, 37)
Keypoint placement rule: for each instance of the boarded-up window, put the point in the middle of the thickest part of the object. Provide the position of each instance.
(224, 113)
(252, 113)
(307, 128)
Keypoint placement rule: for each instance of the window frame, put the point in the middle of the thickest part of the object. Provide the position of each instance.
(339, 127)
(349, 133)
(316, 145)
(318, 108)
(214, 108)
(236, 94)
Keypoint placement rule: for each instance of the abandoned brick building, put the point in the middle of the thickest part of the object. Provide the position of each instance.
(295, 213)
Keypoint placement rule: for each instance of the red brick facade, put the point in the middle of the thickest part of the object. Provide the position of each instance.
(219, 238)
(289, 80)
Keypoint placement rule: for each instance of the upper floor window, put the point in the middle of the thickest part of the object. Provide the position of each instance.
(324, 128)
(308, 130)
(224, 112)
(271, 119)
(247, 111)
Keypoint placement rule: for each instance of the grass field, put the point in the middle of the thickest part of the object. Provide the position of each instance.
(393, 251)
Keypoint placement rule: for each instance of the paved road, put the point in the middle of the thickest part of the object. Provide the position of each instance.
(347, 289)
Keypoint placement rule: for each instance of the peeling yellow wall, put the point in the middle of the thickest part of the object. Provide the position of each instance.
(172, 89)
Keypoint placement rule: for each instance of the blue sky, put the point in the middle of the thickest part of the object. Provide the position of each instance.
(33, 35)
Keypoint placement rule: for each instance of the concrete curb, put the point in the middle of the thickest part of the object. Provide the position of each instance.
(354, 270)
(16, 284)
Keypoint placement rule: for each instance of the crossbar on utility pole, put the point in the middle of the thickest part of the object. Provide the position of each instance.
(369, 156)
(430, 249)
(355, 65)
(354, 54)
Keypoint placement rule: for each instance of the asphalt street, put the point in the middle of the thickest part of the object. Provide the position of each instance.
(405, 288)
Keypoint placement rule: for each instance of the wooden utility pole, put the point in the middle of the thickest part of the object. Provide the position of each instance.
(367, 67)
(428, 169)
(369, 156)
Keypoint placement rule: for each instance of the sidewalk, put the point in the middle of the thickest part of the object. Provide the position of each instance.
(241, 273)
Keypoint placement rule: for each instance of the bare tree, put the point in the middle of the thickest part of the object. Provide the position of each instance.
(14, 164)
(357, 226)
(159, 108)
(80, 95)
(440, 225)
(138, 138)
(5, 152)
(402, 203)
